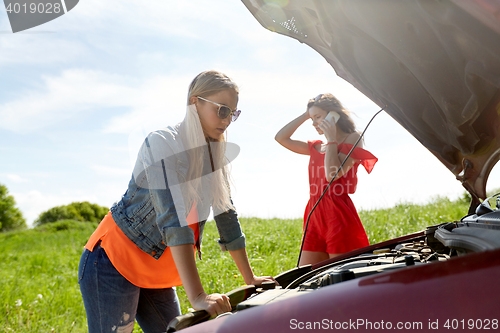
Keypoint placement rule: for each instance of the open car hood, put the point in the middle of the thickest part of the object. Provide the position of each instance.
(434, 64)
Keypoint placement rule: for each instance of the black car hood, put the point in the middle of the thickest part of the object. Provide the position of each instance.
(435, 64)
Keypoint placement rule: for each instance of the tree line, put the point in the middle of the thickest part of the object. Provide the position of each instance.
(11, 218)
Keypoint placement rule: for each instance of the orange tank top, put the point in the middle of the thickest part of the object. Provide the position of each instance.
(131, 262)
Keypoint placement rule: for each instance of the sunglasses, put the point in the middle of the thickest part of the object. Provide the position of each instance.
(224, 111)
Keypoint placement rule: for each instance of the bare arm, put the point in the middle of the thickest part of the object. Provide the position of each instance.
(241, 259)
(284, 135)
(184, 260)
(333, 159)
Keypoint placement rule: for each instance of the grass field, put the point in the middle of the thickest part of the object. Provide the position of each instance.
(38, 271)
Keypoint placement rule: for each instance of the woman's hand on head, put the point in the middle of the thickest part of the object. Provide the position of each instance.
(214, 304)
(329, 130)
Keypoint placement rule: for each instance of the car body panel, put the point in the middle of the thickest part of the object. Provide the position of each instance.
(421, 294)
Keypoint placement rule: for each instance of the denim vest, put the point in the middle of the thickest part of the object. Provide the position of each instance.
(151, 213)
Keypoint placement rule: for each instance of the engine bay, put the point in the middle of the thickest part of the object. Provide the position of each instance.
(379, 261)
(473, 233)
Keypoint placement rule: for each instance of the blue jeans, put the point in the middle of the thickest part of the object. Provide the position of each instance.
(113, 304)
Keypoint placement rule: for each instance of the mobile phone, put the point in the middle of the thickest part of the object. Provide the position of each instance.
(332, 117)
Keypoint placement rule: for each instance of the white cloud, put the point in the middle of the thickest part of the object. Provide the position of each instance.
(105, 170)
(16, 178)
(153, 101)
(184, 19)
(62, 97)
(36, 49)
(159, 100)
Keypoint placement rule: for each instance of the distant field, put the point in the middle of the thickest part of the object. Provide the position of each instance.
(38, 271)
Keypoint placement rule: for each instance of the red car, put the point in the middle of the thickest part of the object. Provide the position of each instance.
(434, 65)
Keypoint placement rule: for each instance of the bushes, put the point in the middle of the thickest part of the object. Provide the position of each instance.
(64, 225)
(78, 211)
(10, 217)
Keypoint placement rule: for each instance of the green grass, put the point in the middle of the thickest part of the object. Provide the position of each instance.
(405, 218)
(38, 271)
(38, 278)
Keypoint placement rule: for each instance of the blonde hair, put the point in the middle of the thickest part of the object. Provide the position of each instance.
(328, 102)
(205, 84)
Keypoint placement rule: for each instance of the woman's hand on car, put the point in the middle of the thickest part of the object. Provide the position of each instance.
(214, 304)
(258, 280)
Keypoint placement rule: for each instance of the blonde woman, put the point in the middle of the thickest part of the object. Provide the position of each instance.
(146, 244)
(334, 227)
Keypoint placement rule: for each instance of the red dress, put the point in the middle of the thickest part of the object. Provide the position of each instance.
(334, 226)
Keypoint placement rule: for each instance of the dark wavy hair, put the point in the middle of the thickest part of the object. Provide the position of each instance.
(328, 102)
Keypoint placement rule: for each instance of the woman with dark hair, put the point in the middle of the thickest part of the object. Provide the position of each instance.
(146, 245)
(334, 226)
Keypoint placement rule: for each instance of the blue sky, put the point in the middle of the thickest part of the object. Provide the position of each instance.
(79, 93)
